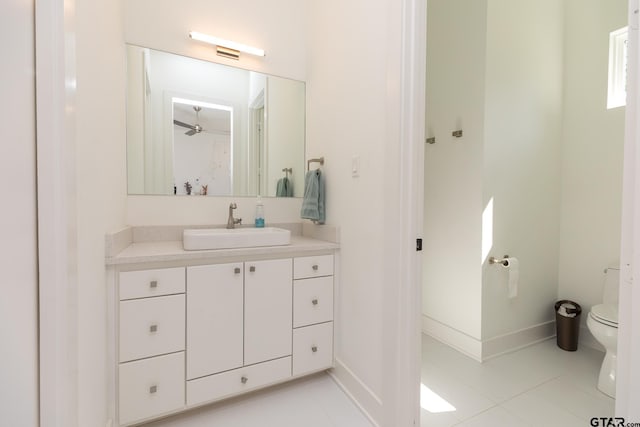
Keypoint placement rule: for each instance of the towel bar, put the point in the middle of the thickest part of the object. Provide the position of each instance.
(318, 160)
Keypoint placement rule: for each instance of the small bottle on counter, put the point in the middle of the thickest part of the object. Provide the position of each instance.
(259, 213)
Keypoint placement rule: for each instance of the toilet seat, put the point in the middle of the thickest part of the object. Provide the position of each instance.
(606, 314)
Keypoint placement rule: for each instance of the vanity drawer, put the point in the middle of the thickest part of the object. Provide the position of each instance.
(312, 348)
(312, 301)
(151, 283)
(215, 387)
(312, 266)
(151, 387)
(151, 326)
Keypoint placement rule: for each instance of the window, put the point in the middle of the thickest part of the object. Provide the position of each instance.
(617, 95)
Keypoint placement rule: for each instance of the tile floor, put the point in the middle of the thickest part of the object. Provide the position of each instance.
(540, 385)
(314, 401)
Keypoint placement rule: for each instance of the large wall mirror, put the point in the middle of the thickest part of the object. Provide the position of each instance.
(204, 129)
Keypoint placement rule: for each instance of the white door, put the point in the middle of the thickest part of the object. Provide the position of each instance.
(214, 319)
(268, 305)
(18, 255)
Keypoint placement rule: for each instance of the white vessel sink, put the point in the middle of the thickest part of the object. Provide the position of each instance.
(223, 238)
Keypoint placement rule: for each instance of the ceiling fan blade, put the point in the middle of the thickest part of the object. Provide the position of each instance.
(183, 124)
(191, 132)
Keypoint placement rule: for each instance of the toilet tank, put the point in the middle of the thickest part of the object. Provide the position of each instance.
(611, 284)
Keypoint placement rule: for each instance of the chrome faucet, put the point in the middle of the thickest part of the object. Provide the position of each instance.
(231, 222)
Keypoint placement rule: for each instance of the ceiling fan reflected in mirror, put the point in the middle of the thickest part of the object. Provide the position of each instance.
(193, 129)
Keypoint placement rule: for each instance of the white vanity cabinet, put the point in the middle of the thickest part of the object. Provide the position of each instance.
(312, 314)
(195, 334)
(151, 343)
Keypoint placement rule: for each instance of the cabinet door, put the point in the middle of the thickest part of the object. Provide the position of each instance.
(268, 310)
(214, 318)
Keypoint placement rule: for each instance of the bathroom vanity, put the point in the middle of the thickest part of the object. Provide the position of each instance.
(195, 327)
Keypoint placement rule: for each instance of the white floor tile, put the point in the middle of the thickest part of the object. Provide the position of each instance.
(495, 417)
(315, 401)
(539, 411)
(564, 392)
(442, 419)
(540, 385)
(467, 400)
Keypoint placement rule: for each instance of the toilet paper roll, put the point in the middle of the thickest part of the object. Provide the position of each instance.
(513, 265)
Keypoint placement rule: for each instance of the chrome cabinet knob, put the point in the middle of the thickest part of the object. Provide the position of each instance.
(244, 380)
(314, 301)
(153, 328)
(236, 270)
(252, 268)
(153, 284)
(153, 389)
(314, 349)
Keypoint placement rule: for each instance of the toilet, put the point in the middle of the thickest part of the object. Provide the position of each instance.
(603, 324)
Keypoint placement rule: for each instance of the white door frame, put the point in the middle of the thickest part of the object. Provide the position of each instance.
(402, 381)
(628, 374)
(57, 236)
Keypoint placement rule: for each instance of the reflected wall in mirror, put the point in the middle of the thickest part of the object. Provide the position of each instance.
(200, 128)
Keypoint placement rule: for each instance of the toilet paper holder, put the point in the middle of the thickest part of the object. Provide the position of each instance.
(504, 261)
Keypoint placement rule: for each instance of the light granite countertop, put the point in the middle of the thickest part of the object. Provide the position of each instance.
(122, 249)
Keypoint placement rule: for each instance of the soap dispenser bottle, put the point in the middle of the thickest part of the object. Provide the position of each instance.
(259, 213)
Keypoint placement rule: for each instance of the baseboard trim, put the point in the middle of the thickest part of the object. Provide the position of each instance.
(496, 346)
(518, 339)
(462, 342)
(361, 395)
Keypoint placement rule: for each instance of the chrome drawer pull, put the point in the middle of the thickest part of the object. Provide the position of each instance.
(236, 270)
(153, 328)
(244, 380)
(314, 301)
(315, 267)
(153, 284)
(314, 349)
(252, 268)
(153, 389)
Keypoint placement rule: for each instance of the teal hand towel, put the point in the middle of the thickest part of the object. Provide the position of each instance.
(284, 188)
(313, 201)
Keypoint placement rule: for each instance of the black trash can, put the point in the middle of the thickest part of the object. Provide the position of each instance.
(567, 324)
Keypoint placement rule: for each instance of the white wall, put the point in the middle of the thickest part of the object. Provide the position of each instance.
(593, 140)
(353, 110)
(276, 26)
(268, 25)
(18, 255)
(494, 71)
(101, 187)
(523, 123)
(456, 46)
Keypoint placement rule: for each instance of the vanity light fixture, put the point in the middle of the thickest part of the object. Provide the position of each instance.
(226, 48)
